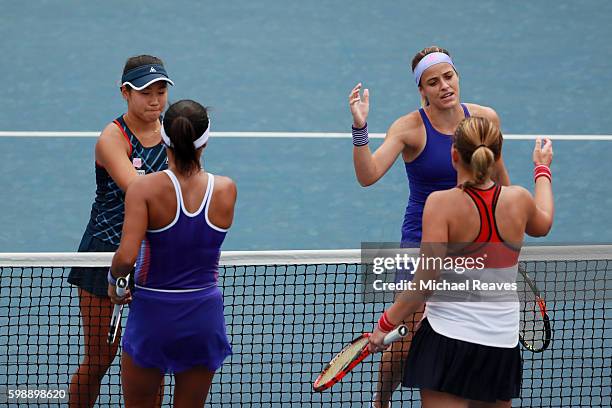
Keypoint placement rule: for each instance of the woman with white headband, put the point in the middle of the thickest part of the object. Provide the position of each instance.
(424, 139)
(175, 223)
(127, 147)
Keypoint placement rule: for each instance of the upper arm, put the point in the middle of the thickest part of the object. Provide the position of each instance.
(396, 140)
(490, 114)
(135, 222)
(435, 221)
(435, 235)
(221, 210)
(538, 221)
(112, 153)
(391, 147)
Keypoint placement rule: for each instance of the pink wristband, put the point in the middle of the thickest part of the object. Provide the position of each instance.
(384, 324)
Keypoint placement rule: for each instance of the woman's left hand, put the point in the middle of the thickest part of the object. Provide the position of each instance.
(359, 107)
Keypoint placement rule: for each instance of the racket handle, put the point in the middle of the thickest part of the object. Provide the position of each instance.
(398, 333)
(122, 284)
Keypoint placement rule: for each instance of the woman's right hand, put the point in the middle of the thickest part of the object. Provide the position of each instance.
(115, 298)
(359, 107)
(542, 154)
(376, 341)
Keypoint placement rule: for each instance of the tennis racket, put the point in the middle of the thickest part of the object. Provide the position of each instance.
(122, 284)
(534, 330)
(350, 356)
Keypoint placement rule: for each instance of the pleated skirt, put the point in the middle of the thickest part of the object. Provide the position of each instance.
(467, 370)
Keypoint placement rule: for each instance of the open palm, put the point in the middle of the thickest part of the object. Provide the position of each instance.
(360, 107)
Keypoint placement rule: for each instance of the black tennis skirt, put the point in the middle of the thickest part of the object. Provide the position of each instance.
(93, 280)
(467, 370)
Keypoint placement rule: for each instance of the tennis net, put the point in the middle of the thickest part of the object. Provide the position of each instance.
(288, 313)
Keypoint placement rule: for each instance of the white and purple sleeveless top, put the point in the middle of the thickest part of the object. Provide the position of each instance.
(184, 255)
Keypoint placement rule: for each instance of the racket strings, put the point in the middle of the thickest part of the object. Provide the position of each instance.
(533, 330)
(532, 321)
(343, 359)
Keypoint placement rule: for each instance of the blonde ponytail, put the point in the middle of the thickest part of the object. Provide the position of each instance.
(479, 144)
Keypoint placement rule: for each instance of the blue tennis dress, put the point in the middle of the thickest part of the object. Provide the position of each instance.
(431, 171)
(176, 316)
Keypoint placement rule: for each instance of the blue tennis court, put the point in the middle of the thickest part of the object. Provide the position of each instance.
(287, 67)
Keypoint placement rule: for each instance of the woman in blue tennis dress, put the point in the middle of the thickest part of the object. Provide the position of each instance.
(175, 222)
(423, 138)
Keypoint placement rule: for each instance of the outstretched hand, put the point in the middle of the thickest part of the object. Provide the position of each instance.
(359, 107)
(542, 153)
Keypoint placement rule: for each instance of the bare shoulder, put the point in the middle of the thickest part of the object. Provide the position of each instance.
(109, 142)
(225, 189)
(224, 183)
(483, 111)
(407, 128)
(149, 182)
(440, 206)
(442, 198)
(516, 193)
(111, 133)
(407, 123)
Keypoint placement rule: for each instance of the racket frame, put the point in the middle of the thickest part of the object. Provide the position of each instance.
(392, 336)
(546, 320)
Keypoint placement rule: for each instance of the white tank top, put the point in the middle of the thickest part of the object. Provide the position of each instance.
(493, 324)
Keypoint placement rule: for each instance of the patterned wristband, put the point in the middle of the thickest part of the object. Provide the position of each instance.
(111, 279)
(360, 136)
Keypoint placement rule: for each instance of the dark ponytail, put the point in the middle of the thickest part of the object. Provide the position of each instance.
(184, 122)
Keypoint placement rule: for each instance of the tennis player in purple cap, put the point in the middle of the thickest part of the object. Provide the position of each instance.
(424, 139)
(129, 146)
(175, 223)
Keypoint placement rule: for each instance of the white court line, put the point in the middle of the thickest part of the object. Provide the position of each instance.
(292, 135)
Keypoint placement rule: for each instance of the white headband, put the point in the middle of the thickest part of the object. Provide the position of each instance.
(199, 142)
(429, 60)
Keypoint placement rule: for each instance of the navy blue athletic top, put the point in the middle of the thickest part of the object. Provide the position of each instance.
(431, 171)
(107, 211)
